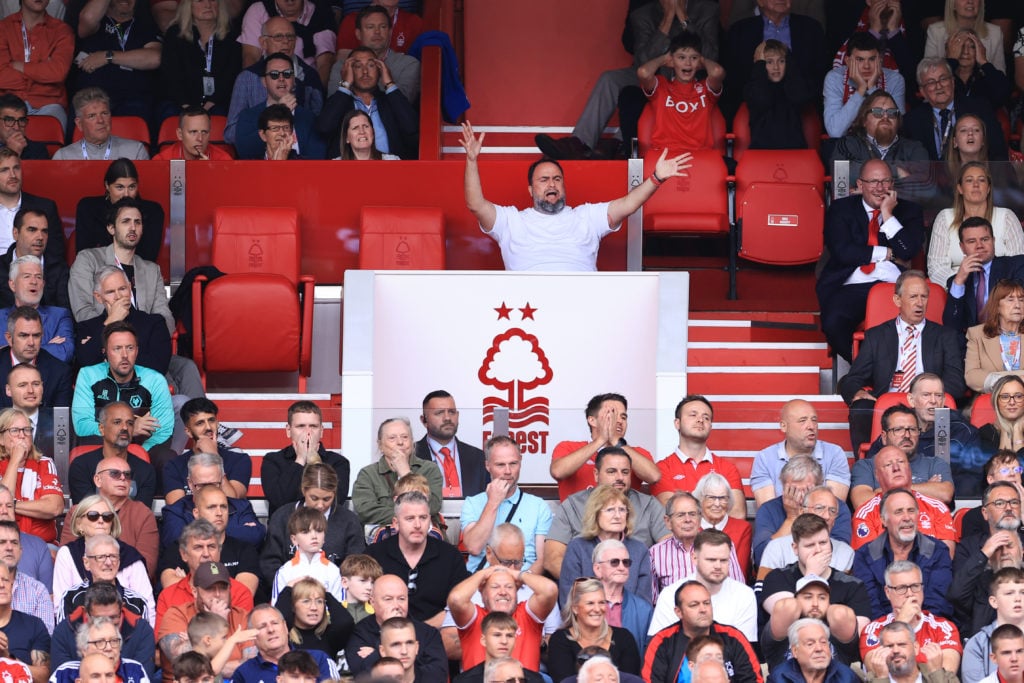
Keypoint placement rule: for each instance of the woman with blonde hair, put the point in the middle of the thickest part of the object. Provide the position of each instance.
(30, 477)
(316, 620)
(1007, 431)
(963, 18)
(201, 58)
(607, 515)
(585, 624)
(973, 198)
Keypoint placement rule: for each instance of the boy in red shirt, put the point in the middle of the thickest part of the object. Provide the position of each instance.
(682, 105)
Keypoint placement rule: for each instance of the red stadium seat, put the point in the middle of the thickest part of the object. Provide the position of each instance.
(130, 127)
(780, 207)
(261, 296)
(982, 412)
(880, 308)
(741, 130)
(46, 130)
(135, 449)
(884, 402)
(401, 238)
(645, 128)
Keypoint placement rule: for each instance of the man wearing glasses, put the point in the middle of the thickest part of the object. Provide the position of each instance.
(892, 471)
(904, 588)
(252, 139)
(900, 429)
(14, 120)
(905, 536)
(978, 556)
(820, 501)
(932, 122)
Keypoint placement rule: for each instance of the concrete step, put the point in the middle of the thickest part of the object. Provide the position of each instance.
(750, 353)
(753, 380)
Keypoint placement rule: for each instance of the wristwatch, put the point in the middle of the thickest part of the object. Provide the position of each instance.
(110, 56)
(345, 84)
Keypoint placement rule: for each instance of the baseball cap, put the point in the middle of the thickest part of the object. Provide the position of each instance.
(810, 580)
(210, 573)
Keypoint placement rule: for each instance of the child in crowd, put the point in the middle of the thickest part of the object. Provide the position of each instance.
(358, 572)
(208, 634)
(701, 649)
(307, 527)
(682, 105)
(194, 667)
(775, 97)
(297, 666)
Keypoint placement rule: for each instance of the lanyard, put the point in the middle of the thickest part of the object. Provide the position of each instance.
(106, 154)
(24, 41)
(122, 40)
(209, 55)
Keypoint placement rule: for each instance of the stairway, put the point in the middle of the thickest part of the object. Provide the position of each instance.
(748, 365)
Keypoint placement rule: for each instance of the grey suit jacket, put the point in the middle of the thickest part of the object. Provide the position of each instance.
(150, 295)
(984, 356)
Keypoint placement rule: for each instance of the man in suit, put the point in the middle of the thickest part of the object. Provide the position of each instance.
(802, 34)
(871, 238)
(13, 199)
(896, 351)
(32, 238)
(461, 465)
(26, 283)
(24, 345)
(25, 391)
(977, 275)
(933, 122)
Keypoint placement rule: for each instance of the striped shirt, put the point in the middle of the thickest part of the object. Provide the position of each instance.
(671, 561)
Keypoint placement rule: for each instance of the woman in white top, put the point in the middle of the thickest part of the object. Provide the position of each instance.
(973, 197)
(357, 139)
(960, 15)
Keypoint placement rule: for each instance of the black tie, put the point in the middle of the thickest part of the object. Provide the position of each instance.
(943, 127)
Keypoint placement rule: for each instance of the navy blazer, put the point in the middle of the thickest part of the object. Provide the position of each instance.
(400, 120)
(57, 379)
(471, 460)
(875, 365)
(55, 276)
(919, 124)
(846, 238)
(55, 238)
(959, 314)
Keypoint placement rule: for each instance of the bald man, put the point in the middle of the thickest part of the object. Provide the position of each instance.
(798, 422)
(96, 668)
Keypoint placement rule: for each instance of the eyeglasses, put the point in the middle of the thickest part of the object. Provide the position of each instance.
(510, 680)
(281, 128)
(1010, 398)
(621, 510)
(285, 37)
(877, 182)
(104, 643)
(684, 515)
(18, 431)
(941, 80)
(119, 474)
(900, 431)
(716, 499)
(20, 122)
(880, 112)
(510, 564)
(413, 575)
(275, 74)
(822, 509)
(1011, 470)
(312, 602)
(1001, 503)
(618, 561)
(103, 559)
(902, 590)
(94, 516)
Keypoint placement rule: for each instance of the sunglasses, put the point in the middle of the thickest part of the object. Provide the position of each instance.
(879, 112)
(275, 74)
(94, 516)
(119, 474)
(618, 561)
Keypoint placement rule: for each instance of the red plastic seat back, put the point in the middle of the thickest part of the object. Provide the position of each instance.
(260, 304)
(645, 129)
(129, 127)
(890, 399)
(697, 203)
(249, 239)
(741, 131)
(401, 238)
(881, 309)
(982, 412)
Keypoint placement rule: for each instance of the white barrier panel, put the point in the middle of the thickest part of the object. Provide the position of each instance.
(538, 344)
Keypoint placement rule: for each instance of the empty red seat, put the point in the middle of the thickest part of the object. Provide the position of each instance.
(401, 238)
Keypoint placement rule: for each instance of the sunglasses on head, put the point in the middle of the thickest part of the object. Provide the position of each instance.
(94, 516)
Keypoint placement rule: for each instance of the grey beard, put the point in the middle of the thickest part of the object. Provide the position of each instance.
(548, 207)
(1008, 524)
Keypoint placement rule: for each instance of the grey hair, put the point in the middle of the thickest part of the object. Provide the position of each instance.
(197, 528)
(799, 467)
(898, 626)
(584, 674)
(263, 608)
(794, 629)
(12, 272)
(708, 480)
(931, 63)
(505, 530)
(411, 498)
(82, 634)
(600, 548)
(93, 542)
(103, 274)
(87, 96)
(677, 496)
(206, 460)
(899, 566)
(491, 667)
(385, 423)
(820, 487)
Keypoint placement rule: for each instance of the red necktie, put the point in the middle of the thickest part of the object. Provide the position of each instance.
(909, 364)
(452, 487)
(873, 228)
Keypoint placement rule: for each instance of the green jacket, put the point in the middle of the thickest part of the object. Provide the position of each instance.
(373, 492)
